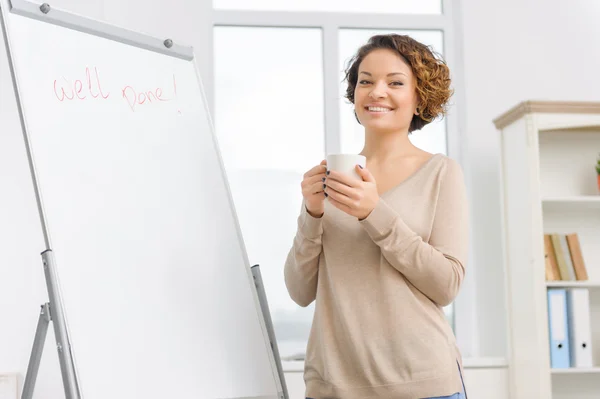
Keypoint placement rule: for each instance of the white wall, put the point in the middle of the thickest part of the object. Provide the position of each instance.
(515, 50)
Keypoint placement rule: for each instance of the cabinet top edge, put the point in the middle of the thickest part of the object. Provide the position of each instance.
(538, 106)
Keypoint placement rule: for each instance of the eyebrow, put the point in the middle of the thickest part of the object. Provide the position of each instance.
(389, 74)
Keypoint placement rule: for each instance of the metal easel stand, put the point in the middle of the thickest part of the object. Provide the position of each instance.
(51, 311)
(264, 305)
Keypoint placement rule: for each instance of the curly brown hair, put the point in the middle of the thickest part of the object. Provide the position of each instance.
(430, 70)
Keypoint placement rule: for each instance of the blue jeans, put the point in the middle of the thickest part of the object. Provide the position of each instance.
(458, 395)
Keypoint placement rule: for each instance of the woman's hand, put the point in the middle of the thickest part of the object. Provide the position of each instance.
(312, 190)
(356, 198)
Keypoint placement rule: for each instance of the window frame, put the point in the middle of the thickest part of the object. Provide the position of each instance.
(448, 22)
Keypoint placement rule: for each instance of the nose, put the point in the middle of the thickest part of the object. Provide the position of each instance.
(379, 90)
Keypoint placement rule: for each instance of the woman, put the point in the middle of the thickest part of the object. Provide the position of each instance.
(382, 256)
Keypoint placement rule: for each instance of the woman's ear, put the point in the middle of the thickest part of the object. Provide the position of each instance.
(419, 106)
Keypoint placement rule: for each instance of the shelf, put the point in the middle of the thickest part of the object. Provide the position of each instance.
(558, 194)
(573, 284)
(593, 370)
(580, 200)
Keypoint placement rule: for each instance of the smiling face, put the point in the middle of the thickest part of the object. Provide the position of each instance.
(385, 96)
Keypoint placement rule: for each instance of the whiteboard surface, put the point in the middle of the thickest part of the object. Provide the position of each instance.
(154, 278)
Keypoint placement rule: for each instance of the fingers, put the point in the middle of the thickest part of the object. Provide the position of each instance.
(339, 205)
(343, 178)
(340, 188)
(340, 197)
(316, 188)
(313, 184)
(364, 173)
(315, 180)
(316, 170)
(318, 178)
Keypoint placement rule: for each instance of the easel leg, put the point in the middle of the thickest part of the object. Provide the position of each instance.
(60, 328)
(264, 306)
(51, 313)
(36, 352)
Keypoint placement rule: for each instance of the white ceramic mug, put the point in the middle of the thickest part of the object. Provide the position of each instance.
(346, 163)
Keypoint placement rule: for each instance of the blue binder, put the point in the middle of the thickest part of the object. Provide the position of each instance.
(558, 328)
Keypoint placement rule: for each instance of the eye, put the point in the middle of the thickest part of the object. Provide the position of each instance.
(397, 84)
(364, 82)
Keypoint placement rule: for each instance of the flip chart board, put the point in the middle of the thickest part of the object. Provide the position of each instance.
(156, 288)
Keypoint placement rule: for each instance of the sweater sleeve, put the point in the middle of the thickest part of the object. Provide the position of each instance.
(302, 263)
(437, 267)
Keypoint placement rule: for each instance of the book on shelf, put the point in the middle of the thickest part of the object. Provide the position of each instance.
(563, 257)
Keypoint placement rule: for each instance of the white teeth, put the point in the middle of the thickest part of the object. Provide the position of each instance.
(379, 109)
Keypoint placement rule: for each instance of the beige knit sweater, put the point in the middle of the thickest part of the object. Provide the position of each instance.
(379, 330)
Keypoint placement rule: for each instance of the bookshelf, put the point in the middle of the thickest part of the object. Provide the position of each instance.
(573, 284)
(591, 370)
(549, 186)
(592, 202)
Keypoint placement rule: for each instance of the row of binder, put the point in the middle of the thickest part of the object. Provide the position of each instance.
(569, 327)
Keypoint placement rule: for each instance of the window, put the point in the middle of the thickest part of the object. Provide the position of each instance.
(269, 123)
(374, 6)
(279, 108)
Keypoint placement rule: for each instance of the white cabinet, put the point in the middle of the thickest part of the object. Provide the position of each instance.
(549, 152)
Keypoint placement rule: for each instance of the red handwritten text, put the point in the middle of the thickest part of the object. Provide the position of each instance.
(69, 90)
(135, 99)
